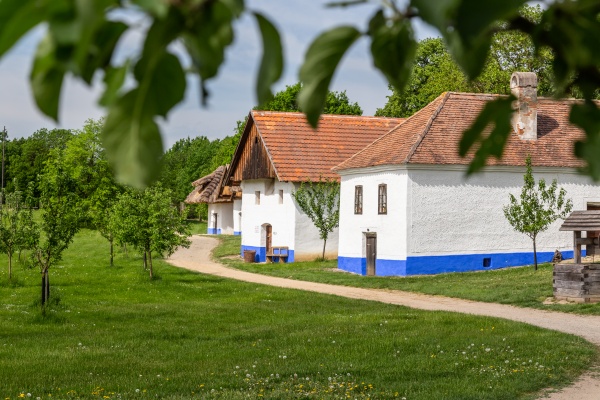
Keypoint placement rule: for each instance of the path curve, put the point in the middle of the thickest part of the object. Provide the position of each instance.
(198, 258)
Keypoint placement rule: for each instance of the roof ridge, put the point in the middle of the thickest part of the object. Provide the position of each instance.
(328, 115)
(421, 136)
(402, 122)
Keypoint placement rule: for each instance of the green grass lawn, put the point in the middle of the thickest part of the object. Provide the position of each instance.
(195, 227)
(519, 286)
(117, 335)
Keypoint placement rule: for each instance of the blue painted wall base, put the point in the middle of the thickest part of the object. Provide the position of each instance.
(237, 233)
(261, 254)
(425, 265)
(213, 231)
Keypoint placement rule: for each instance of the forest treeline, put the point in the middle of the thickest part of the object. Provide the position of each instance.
(187, 160)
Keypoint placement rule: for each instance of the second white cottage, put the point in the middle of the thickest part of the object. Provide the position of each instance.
(407, 206)
(278, 151)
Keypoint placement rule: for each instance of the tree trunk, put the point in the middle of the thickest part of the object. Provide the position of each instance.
(145, 261)
(324, 244)
(111, 252)
(534, 256)
(9, 265)
(150, 259)
(45, 286)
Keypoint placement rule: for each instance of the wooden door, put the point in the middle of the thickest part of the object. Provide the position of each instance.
(371, 253)
(215, 221)
(269, 238)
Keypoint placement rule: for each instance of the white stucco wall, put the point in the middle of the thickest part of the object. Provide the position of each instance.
(269, 211)
(449, 213)
(440, 221)
(237, 216)
(224, 213)
(391, 228)
(291, 227)
(308, 244)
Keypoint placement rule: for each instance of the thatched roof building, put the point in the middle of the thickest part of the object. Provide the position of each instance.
(210, 189)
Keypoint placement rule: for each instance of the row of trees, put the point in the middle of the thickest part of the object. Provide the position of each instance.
(77, 189)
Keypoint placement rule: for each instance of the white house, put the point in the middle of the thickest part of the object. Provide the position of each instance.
(224, 202)
(278, 151)
(408, 208)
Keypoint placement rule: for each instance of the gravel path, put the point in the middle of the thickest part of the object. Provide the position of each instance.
(198, 258)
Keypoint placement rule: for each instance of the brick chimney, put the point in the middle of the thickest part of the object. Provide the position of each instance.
(523, 85)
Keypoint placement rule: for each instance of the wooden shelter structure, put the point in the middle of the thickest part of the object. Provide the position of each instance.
(579, 282)
(580, 221)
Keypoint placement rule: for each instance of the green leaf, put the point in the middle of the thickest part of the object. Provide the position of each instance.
(46, 78)
(206, 42)
(163, 81)
(17, 17)
(346, 3)
(587, 117)
(113, 80)
(131, 136)
(393, 49)
(495, 116)
(158, 8)
(439, 13)
(475, 17)
(271, 64)
(235, 6)
(99, 52)
(320, 62)
(132, 141)
(162, 32)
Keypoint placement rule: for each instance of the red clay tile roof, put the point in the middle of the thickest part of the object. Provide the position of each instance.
(299, 153)
(431, 136)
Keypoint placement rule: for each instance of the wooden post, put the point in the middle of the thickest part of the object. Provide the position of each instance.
(577, 247)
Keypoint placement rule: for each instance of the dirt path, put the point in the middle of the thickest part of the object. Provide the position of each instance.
(198, 258)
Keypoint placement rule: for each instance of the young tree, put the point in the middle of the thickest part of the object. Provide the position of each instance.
(320, 202)
(537, 207)
(18, 231)
(147, 221)
(101, 208)
(60, 222)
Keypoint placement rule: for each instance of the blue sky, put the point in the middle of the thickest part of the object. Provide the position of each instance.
(232, 92)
